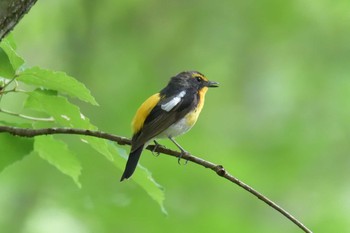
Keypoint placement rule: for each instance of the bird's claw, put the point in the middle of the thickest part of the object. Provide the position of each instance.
(156, 146)
(180, 157)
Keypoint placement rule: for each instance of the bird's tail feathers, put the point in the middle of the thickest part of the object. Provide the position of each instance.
(131, 164)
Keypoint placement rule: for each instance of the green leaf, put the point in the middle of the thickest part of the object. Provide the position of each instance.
(143, 177)
(100, 145)
(67, 114)
(59, 81)
(6, 69)
(13, 149)
(9, 47)
(9, 38)
(57, 153)
(64, 112)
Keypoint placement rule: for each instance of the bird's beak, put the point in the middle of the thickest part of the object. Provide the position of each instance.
(212, 84)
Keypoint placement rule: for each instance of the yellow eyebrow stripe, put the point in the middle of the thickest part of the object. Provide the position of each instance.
(143, 112)
(194, 75)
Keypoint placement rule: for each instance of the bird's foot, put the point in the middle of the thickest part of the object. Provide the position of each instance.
(183, 152)
(156, 146)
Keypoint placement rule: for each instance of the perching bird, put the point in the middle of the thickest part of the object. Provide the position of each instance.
(167, 114)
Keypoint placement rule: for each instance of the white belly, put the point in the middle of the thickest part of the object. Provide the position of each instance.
(176, 129)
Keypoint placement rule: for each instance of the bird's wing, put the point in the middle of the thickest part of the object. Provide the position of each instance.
(168, 111)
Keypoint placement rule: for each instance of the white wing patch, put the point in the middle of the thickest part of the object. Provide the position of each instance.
(173, 102)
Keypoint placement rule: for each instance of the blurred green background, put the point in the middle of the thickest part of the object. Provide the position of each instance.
(280, 120)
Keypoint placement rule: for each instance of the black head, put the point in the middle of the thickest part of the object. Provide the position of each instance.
(191, 79)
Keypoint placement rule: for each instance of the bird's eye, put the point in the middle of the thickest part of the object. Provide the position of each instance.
(199, 79)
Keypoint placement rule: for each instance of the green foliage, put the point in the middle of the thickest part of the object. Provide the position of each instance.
(46, 92)
(57, 153)
(58, 107)
(58, 81)
(144, 178)
(279, 120)
(13, 149)
(6, 69)
(9, 47)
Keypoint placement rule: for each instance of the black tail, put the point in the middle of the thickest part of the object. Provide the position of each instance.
(131, 163)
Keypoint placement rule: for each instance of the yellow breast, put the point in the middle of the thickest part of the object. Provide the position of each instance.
(192, 117)
(143, 112)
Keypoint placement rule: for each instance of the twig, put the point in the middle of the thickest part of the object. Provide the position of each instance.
(218, 169)
(6, 84)
(25, 116)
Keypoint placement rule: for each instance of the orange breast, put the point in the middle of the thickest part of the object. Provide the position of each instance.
(192, 117)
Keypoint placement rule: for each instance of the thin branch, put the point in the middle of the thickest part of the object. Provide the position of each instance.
(218, 169)
(6, 84)
(49, 119)
(10, 81)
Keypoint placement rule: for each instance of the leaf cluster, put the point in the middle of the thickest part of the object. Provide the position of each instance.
(46, 103)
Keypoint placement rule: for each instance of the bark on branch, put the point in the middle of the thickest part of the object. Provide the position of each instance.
(11, 12)
(218, 169)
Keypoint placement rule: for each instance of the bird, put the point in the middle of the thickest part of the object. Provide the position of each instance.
(167, 114)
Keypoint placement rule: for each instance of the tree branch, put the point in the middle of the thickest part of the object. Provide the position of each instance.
(11, 12)
(218, 169)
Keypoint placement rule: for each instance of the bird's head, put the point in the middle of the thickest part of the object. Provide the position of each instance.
(192, 79)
